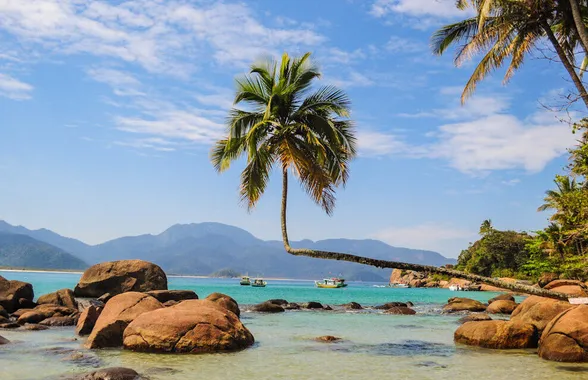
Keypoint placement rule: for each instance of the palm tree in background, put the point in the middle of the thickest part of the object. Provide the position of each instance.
(486, 227)
(509, 30)
(286, 124)
(558, 199)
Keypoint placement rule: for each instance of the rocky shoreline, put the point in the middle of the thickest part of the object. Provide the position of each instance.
(126, 304)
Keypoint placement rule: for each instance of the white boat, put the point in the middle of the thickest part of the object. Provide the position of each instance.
(331, 283)
(399, 285)
(455, 288)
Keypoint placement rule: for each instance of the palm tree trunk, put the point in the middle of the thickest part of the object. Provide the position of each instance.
(399, 265)
(580, 26)
(565, 61)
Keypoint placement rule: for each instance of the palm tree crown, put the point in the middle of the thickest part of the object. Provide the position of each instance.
(286, 122)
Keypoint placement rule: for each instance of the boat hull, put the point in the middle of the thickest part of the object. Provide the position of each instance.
(326, 286)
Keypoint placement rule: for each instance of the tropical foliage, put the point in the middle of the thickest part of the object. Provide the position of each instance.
(507, 31)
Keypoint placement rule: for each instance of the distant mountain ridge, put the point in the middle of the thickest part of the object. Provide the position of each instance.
(204, 248)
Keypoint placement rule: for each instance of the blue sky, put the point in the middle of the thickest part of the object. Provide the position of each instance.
(108, 110)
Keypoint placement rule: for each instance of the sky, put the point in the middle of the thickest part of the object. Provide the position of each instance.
(108, 110)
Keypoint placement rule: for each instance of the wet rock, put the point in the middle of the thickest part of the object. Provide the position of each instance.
(24, 303)
(327, 307)
(497, 334)
(409, 304)
(538, 311)
(352, 306)
(113, 373)
(116, 277)
(400, 310)
(226, 302)
(3, 312)
(9, 325)
(570, 287)
(59, 321)
(457, 304)
(84, 303)
(312, 305)
(34, 327)
(474, 317)
(63, 297)
(565, 338)
(546, 278)
(116, 316)
(292, 306)
(501, 307)
(268, 307)
(502, 297)
(4, 319)
(390, 305)
(43, 312)
(278, 301)
(83, 359)
(3, 340)
(88, 319)
(173, 295)
(11, 291)
(105, 297)
(327, 339)
(20, 312)
(193, 326)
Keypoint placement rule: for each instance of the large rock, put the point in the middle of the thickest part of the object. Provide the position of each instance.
(164, 296)
(352, 306)
(59, 321)
(457, 304)
(63, 297)
(538, 311)
(195, 326)
(497, 334)
(501, 307)
(116, 316)
(565, 338)
(3, 340)
(389, 305)
(474, 317)
(400, 310)
(463, 283)
(226, 302)
(114, 373)
(116, 277)
(42, 312)
(268, 307)
(12, 291)
(88, 319)
(570, 287)
(546, 278)
(3, 312)
(502, 297)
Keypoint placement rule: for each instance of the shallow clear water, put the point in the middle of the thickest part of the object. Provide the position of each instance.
(375, 345)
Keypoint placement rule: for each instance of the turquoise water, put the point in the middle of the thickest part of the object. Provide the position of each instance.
(375, 346)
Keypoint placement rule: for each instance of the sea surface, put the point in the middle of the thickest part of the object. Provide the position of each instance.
(374, 346)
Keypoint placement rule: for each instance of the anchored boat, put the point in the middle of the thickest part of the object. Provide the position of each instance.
(258, 283)
(331, 283)
(245, 281)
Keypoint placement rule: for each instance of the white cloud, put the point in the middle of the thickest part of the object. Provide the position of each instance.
(372, 143)
(436, 8)
(432, 236)
(13, 88)
(511, 182)
(154, 143)
(353, 79)
(221, 98)
(112, 77)
(398, 44)
(161, 36)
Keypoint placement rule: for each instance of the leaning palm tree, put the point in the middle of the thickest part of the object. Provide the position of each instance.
(558, 199)
(288, 125)
(508, 31)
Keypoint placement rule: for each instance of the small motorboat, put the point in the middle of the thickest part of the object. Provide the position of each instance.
(331, 283)
(399, 285)
(455, 288)
(245, 281)
(258, 283)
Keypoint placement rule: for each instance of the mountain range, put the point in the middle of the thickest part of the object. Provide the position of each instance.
(202, 249)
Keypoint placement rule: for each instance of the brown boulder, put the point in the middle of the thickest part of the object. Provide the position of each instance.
(195, 326)
(173, 295)
(3, 312)
(501, 307)
(463, 283)
(268, 307)
(491, 288)
(11, 291)
(88, 319)
(565, 338)
(43, 312)
(63, 297)
(3, 340)
(400, 311)
(456, 304)
(546, 278)
(475, 317)
(538, 311)
(58, 321)
(116, 277)
(390, 305)
(116, 316)
(570, 287)
(9, 325)
(352, 306)
(34, 327)
(4, 319)
(557, 283)
(226, 302)
(114, 373)
(497, 334)
(502, 297)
